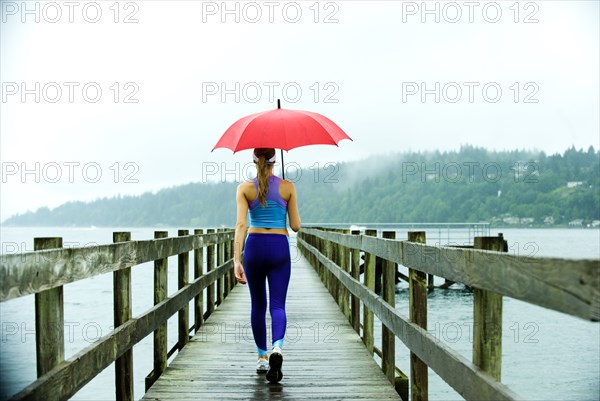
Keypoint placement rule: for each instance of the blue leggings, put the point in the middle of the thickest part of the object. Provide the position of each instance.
(267, 258)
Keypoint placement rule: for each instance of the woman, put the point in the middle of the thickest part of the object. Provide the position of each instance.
(266, 254)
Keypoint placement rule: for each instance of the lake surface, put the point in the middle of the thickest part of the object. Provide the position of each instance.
(546, 355)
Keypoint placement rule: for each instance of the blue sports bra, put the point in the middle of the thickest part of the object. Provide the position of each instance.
(273, 214)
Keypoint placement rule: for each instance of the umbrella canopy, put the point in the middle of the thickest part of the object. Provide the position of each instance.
(282, 129)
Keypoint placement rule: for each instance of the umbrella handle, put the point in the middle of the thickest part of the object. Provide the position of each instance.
(282, 169)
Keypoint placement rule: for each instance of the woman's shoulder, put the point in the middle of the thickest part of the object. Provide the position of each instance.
(286, 183)
(249, 182)
(246, 185)
(248, 190)
(286, 189)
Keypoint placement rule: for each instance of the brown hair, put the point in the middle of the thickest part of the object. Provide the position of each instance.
(262, 173)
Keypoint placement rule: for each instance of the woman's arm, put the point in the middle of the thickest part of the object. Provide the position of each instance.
(240, 234)
(293, 214)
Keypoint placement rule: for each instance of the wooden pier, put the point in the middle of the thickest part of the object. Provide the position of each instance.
(323, 357)
(330, 344)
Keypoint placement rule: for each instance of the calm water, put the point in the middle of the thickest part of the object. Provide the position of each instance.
(546, 355)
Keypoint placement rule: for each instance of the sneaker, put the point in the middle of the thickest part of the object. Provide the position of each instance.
(262, 366)
(274, 374)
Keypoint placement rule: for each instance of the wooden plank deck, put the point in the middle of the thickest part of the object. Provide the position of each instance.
(324, 358)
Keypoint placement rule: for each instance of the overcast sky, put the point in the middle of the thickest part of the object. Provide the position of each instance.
(101, 99)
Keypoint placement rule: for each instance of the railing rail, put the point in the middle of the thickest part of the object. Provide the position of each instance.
(444, 234)
(44, 272)
(568, 286)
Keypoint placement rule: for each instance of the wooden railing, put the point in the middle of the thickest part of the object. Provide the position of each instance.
(46, 270)
(568, 286)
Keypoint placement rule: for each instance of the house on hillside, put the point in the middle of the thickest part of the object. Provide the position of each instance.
(511, 220)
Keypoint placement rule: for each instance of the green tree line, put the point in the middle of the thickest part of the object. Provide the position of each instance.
(468, 185)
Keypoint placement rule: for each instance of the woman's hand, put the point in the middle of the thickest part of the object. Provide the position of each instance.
(238, 270)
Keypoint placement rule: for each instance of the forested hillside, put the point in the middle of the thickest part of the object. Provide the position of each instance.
(470, 185)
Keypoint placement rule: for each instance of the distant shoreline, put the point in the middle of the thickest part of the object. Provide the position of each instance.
(523, 226)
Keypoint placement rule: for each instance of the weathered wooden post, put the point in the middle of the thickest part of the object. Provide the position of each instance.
(227, 276)
(336, 257)
(311, 240)
(220, 253)
(183, 318)
(369, 279)
(330, 253)
(321, 247)
(333, 281)
(355, 272)
(325, 251)
(329, 278)
(487, 319)
(417, 282)
(388, 338)
(232, 280)
(321, 269)
(378, 272)
(308, 240)
(198, 272)
(122, 313)
(344, 263)
(160, 334)
(49, 318)
(210, 265)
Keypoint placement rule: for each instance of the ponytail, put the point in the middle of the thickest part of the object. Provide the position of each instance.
(263, 180)
(262, 174)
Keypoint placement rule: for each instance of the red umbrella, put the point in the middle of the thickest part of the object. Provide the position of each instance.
(282, 129)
